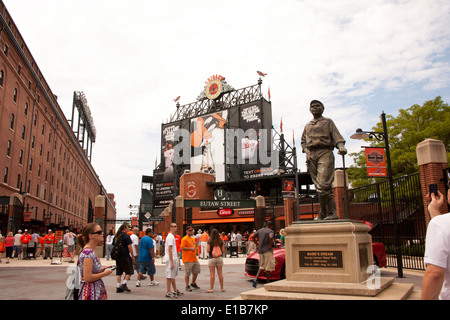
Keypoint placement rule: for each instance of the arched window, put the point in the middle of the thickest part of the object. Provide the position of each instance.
(11, 123)
(8, 150)
(1, 77)
(15, 95)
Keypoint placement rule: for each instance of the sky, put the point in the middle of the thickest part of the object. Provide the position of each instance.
(131, 58)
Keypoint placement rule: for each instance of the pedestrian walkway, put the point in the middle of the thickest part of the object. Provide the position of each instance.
(40, 262)
(42, 276)
(51, 278)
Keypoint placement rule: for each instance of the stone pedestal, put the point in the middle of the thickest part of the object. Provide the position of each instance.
(330, 257)
(329, 260)
(339, 251)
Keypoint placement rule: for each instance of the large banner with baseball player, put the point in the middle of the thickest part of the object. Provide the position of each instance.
(255, 142)
(207, 144)
(164, 179)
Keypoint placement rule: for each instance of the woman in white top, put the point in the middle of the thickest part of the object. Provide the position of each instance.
(109, 243)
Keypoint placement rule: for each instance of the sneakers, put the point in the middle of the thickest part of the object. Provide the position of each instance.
(178, 293)
(152, 284)
(122, 288)
(188, 288)
(171, 295)
(195, 286)
(174, 294)
(254, 283)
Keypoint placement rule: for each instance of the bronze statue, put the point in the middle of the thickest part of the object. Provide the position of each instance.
(319, 139)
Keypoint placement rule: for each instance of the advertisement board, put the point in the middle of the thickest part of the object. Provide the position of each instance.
(256, 143)
(207, 144)
(163, 179)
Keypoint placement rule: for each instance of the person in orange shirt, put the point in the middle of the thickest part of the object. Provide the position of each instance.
(41, 247)
(49, 240)
(190, 261)
(24, 239)
(179, 253)
(224, 237)
(2, 247)
(203, 242)
(251, 243)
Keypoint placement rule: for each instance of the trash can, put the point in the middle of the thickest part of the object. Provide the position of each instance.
(234, 249)
(31, 250)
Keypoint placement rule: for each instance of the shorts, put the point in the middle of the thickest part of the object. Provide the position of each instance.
(215, 262)
(136, 263)
(147, 267)
(192, 268)
(267, 261)
(172, 273)
(71, 248)
(124, 264)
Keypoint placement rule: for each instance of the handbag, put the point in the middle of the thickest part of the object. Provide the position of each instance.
(73, 283)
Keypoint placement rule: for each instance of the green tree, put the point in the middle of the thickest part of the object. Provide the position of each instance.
(409, 128)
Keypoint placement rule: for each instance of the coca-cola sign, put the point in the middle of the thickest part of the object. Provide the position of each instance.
(225, 212)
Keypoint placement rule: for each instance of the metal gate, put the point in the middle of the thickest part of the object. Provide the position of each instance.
(372, 203)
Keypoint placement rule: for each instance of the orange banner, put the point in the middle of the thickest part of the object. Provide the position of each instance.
(27, 216)
(376, 162)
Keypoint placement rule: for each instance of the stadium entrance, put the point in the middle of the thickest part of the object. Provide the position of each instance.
(224, 147)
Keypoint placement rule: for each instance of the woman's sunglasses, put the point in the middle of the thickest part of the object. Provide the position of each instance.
(98, 232)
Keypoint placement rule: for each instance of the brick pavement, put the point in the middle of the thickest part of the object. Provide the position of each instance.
(39, 280)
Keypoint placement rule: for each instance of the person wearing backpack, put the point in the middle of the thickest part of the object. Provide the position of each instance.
(215, 247)
(124, 261)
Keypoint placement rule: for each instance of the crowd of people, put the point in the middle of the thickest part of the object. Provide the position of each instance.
(31, 245)
(138, 253)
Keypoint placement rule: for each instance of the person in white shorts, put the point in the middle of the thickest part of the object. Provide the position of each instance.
(171, 262)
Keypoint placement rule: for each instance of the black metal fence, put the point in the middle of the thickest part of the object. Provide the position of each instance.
(372, 203)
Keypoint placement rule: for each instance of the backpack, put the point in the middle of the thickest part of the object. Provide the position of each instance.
(117, 248)
(216, 252)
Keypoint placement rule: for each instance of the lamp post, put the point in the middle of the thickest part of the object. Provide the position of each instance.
(383, 136)
(297, 194)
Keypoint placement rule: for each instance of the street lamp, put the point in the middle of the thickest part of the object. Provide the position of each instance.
(383, 136)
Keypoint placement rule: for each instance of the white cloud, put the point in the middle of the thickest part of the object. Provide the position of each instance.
(133, 57)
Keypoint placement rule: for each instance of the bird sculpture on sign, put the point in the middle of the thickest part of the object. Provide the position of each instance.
(262, 74)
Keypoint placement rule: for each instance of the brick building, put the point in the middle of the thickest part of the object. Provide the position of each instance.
(46, 178)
